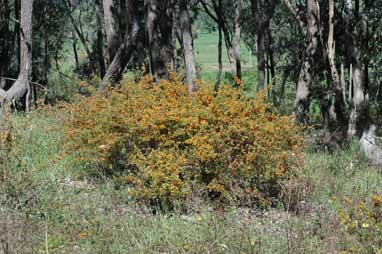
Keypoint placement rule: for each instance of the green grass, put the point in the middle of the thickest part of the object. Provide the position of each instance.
(206, 53)
(48, 205)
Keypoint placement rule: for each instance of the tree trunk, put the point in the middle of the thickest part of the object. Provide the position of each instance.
(189, 58)
(231, 54)
(262, 14)
(220, 60)
(307, 72)
(4, 41)
(16, 33)
(284, 79)
(158, 66)
(75, 52)
(358, 98)
(270, 54)
(166, 24)
(260, 61)
(101, 60)
(126, 49)
(21, 86)
(174, 39)
(339, 104)
(110, 11)
(237, 37)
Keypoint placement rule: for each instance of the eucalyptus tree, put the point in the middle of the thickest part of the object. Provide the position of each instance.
(126, 48)
(110, 10)
(5, 42)
(228, 22)
(187, 45)
(309, 22)
(262, 12)
(21, 87)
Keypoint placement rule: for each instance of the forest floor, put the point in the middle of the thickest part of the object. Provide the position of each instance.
(50, 206)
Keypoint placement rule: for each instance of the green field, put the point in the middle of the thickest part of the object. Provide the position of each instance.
(206, 53)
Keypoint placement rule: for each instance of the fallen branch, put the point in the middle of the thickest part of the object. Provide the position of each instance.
(35, 83)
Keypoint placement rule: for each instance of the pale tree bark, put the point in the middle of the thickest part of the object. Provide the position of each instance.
(262, 12)
(306, 76)
(110, 11)
(358, 98)
(238, 37)
(21, 87)
(126, 49)
(339, 105)
(189, 57)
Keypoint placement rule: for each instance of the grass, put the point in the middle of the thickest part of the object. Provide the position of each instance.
(50, 206)
(206, 54)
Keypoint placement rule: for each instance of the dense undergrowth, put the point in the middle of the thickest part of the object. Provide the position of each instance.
(50, 204)
(167, 145)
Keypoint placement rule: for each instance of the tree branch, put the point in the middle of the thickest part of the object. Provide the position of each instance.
(296, 14)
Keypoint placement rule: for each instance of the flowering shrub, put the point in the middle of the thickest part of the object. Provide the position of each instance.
(363, 221)
(163, 142)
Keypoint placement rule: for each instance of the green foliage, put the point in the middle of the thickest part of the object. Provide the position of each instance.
(167, 143)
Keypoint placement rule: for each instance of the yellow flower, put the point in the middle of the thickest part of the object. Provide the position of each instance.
(186, 247)
(200, 219)
(365, 225)
(376, 200)
(83, 235)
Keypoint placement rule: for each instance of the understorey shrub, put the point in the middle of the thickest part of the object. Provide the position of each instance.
(163, 143)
